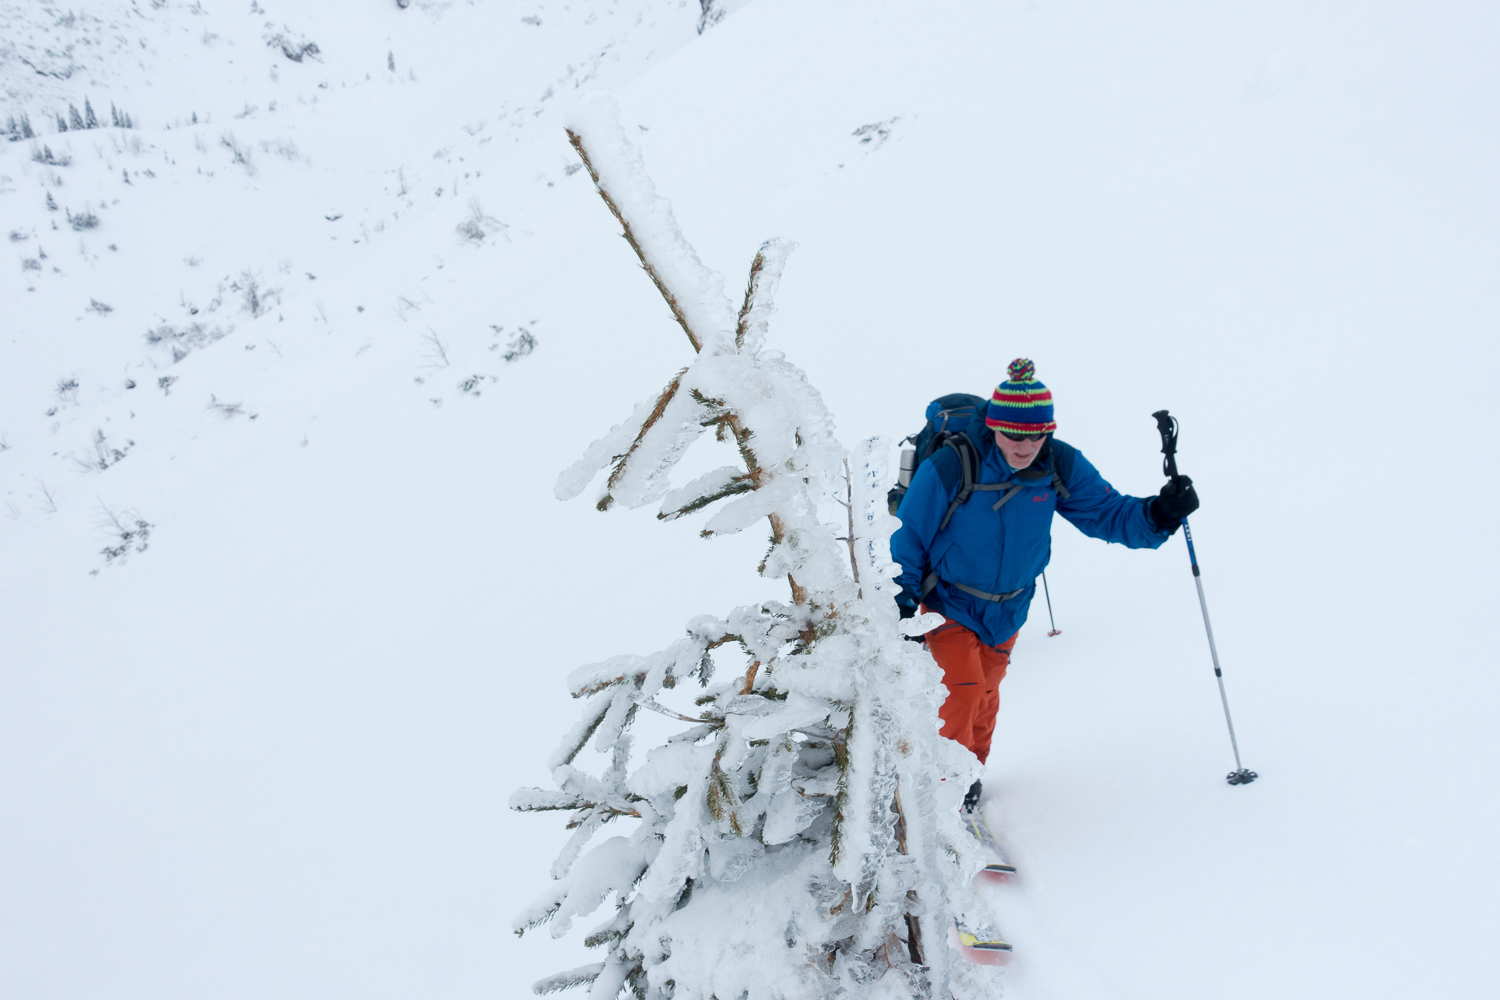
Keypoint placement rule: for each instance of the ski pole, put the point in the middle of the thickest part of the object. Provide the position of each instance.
(1167, 425)
(1047, 591)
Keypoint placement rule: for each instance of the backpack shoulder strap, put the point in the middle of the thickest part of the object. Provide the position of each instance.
(962, 470)
(1063, 455)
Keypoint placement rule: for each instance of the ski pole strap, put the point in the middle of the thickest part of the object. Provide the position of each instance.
(932, 580)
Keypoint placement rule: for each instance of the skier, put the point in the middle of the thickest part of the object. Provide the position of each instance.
(976, 564)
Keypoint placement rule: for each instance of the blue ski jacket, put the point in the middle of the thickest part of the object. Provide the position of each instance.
(1002, 550)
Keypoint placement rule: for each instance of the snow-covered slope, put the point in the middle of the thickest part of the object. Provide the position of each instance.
(270, 753)
(287, 207)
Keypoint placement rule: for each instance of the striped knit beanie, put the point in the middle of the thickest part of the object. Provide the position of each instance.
(1021, 404)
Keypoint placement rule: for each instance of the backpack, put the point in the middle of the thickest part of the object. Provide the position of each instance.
(955, 423)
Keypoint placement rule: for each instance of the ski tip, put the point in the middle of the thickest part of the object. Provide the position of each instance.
(981, 948)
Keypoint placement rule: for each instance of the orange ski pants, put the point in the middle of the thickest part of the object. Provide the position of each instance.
(972, 673)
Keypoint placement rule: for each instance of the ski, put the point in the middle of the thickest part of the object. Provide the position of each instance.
(981, 945)
(998, 869)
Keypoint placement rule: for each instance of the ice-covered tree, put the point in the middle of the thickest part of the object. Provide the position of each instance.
(799, 837)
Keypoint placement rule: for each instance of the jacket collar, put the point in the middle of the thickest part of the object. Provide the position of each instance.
(1037, 471)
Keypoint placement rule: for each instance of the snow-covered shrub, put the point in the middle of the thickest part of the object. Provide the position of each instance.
(225, 410)
(799, 838)
(183, 340)
(479, 225)
(83, 220)
(239, 154)
(128, 531)
(257, 298)
(293, 46)
(100, 455)
(45, 155)
(521, 344)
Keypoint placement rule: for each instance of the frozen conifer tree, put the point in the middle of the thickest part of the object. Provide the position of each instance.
(90, 120)
(799, 837)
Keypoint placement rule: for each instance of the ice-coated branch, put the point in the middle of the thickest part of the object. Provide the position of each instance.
(654, 415)
(707, 489)
(666, 293)
(693, 293)
(760, 293)
(581, 976)
(780, 426)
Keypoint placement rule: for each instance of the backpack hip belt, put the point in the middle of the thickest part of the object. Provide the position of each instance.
(933, 580)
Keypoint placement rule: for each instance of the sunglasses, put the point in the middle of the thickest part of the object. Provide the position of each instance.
(1022, 437)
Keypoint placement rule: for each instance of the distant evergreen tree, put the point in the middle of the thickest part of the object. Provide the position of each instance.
(26, 132)
(75, 120)
(90, 120)
(62, 123)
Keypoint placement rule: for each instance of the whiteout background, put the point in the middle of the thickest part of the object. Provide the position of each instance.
(269, 755)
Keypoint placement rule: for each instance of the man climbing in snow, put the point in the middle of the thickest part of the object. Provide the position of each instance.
(976, 532)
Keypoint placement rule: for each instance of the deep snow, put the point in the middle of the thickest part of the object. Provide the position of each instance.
(270, 754)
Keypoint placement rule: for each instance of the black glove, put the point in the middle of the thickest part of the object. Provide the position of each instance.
(1176, 501)
(905, 613)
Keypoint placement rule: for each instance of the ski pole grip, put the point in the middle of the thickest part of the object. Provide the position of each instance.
(1167, 427)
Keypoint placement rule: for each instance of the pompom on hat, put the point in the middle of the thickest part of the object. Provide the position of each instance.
(1021, 404)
